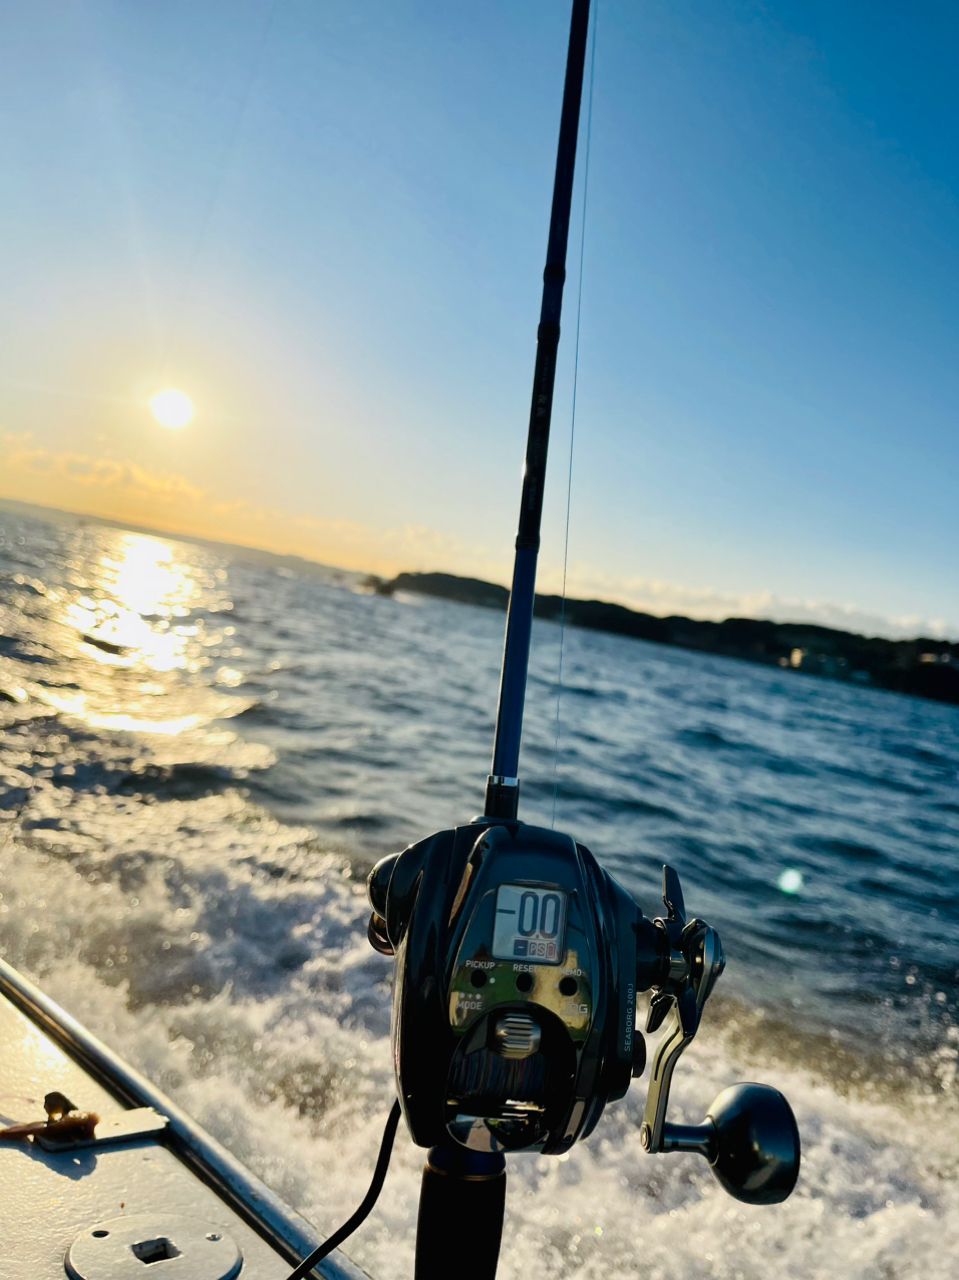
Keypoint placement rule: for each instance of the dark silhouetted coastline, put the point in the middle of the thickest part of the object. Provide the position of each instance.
(923, 666)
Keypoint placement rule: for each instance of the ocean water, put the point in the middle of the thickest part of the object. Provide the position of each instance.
(202, 751)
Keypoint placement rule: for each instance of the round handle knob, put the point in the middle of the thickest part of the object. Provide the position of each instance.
(756, 1143)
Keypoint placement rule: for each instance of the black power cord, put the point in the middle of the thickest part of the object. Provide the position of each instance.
(369, 1200)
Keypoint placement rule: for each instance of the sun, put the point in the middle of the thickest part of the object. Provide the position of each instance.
(172, 409)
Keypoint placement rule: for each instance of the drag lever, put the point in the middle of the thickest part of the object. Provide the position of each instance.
(750, 1136)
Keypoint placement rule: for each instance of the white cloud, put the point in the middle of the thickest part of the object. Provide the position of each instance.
(663, 598)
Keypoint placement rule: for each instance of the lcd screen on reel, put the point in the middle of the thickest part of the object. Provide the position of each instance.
(530, 924)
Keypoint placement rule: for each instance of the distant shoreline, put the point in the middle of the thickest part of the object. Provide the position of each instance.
(923, 667)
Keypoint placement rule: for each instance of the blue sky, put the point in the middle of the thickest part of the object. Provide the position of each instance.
(327, 222)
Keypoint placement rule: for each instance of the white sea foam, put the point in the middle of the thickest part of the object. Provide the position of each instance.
(256, 1001)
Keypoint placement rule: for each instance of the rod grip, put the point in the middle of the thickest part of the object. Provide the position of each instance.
(462, 1198)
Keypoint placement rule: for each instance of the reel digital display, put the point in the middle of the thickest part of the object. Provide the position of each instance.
(530, 924)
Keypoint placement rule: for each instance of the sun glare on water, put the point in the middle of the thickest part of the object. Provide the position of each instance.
(172, 409)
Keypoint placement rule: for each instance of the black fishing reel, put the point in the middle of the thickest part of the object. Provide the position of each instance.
(518, 963)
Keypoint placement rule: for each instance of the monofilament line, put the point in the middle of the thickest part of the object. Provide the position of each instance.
(572, 423)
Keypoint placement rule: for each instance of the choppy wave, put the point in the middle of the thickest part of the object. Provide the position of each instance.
(196, 896)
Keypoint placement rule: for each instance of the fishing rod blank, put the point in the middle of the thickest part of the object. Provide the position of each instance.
(502, 787)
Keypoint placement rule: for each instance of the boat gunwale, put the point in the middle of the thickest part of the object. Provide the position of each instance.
(250, 1198)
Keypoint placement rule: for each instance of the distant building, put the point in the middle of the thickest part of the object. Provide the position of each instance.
(820, 664)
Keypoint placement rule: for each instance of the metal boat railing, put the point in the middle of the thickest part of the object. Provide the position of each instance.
(283, 1228)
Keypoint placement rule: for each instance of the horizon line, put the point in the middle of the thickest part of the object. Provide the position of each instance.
(202, 540)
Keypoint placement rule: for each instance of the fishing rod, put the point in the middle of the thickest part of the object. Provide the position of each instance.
(502, 785)
(519, 959)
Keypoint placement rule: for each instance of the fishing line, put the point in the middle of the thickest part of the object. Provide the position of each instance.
(572, 424)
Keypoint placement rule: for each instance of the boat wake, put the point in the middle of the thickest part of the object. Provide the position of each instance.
(225, 955)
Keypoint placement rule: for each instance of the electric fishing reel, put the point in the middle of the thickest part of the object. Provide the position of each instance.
(518, 963)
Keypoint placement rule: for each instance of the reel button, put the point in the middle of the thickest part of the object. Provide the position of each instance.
(516, 1035)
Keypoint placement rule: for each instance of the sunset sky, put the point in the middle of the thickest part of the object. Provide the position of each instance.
(326, 223)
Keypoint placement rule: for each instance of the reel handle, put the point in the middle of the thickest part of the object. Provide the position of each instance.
(750, 1136)
(460, 1186)
(751, 1140)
